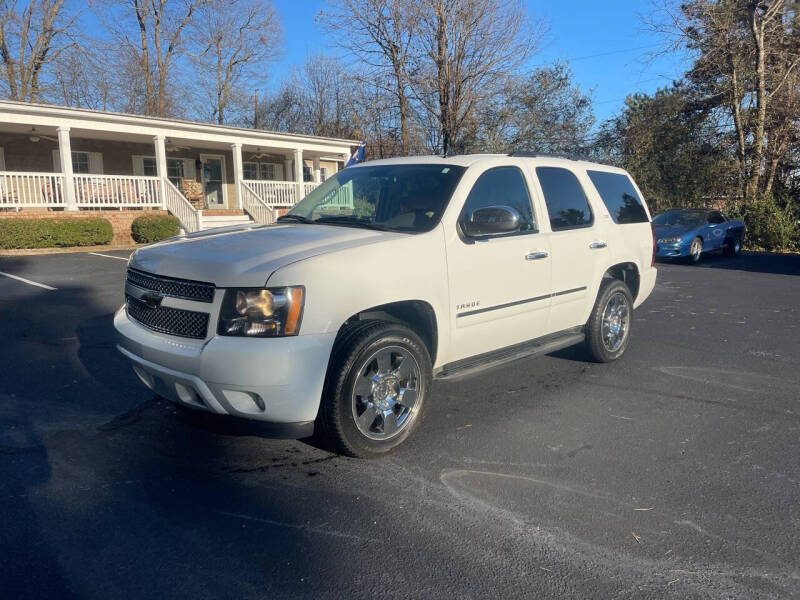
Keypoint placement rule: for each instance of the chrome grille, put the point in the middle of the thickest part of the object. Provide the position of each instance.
(199, 291)
(172, 321)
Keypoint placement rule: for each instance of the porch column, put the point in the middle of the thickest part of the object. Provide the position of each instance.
(298, 173)
(238, 172)
(65, 157)
(161, 167)
(317, 173)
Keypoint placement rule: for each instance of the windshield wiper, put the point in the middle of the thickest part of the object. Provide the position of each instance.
(348, 220)
(294, 218)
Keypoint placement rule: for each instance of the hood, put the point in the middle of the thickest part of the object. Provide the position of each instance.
(246, 256)
(667, 231)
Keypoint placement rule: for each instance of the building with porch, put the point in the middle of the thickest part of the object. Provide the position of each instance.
(54, 158)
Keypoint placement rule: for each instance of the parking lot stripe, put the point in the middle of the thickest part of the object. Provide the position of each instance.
(28, 281)
(108, 256)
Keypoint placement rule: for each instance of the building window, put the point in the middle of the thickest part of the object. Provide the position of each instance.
(175, 170)
(323, 174)
(149, 166)
(307, 173)
(250, 170)
(267, 171)
(259, 171)
(80, 162)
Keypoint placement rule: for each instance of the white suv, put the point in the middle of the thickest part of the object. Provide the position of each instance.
(388, 275)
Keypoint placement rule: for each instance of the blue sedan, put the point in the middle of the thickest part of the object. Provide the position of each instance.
(688, 233)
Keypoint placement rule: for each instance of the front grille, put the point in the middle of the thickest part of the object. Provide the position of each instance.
(198, 291)
(173, 321)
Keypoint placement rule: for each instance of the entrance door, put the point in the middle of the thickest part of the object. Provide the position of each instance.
(213, 180)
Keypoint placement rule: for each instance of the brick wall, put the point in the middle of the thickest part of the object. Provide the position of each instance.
(120, 219)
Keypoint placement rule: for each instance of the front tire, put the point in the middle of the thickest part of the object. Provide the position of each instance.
(378, 378)
(696, 250)
(609, 327)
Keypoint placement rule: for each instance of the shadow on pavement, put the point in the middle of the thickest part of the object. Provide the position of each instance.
(107, 491)
(753, 262)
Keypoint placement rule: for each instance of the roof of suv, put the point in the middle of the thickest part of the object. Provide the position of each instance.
(466, 160)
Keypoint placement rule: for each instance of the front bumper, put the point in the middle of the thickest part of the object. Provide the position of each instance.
(277, 380)
(672, 250)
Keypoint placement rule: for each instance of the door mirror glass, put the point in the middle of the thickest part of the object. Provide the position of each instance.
(491, 220)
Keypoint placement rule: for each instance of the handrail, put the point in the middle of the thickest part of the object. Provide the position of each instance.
(274, 193)
(19, 189)
(116, 190)
(191, 219)
(256, 207)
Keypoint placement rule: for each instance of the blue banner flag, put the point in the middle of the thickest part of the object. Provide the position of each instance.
(357, 156)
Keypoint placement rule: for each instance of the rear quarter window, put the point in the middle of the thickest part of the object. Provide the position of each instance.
(620, 197)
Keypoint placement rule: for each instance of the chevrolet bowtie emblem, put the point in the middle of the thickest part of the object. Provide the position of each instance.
(152, 299)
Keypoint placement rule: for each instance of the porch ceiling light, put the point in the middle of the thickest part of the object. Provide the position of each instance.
(34, 137)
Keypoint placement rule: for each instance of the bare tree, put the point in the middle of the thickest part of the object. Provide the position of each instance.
(235, 40)
(379, 34)
(150, 35)
(32, 36)
(465, 49)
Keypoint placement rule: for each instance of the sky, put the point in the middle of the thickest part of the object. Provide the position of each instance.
(605, 42)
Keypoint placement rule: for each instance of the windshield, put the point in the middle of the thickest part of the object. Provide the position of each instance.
(407, 198)
(684, 218)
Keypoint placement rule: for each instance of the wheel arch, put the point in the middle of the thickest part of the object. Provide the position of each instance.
(417, 315)
(627, 273)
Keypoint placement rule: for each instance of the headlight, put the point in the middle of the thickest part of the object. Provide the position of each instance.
(673, 240)
(272, 312)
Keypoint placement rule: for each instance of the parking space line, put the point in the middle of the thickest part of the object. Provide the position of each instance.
(28, 281)
(108, 256)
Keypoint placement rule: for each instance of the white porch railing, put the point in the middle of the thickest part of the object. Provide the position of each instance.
(116, 191)
(256, 207)
(308, 188)
(23, 190)
(340, 197)
(274, 193)
(191, 219)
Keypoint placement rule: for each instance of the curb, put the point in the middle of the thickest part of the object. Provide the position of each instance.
(71, 250)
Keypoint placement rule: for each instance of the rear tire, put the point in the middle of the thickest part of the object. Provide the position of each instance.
(377, 380)
(609, 327)
(733, 246)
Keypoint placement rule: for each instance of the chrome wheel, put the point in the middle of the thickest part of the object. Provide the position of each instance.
(385, 393)
(696, 249)
(615, 323)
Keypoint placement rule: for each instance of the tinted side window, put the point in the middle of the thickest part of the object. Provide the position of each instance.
(502, 186)
(619, 196)
(566, 202)
(716, 217)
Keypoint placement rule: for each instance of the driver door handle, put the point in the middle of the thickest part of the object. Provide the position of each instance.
(596, 245)
(536, 255)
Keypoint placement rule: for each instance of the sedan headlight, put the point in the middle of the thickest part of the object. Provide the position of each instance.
(672, 240)
(271, 312)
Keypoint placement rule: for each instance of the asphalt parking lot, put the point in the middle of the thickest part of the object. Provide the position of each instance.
(674, 472)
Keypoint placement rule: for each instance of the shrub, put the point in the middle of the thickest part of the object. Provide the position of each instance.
(153, 228)
(770, 225)
(54, 233)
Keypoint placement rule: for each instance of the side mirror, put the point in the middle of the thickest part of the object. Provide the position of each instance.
(491, 220)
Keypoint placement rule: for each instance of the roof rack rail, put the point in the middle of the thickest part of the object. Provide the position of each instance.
(531, 154)
(575, 157)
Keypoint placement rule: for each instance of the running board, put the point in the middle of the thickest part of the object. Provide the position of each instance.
(466, 367)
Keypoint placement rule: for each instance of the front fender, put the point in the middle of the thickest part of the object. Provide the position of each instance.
(343, 283)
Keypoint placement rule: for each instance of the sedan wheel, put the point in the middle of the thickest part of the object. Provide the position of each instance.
(696, 250)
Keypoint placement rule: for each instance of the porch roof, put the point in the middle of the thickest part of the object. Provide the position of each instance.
(19, 117)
